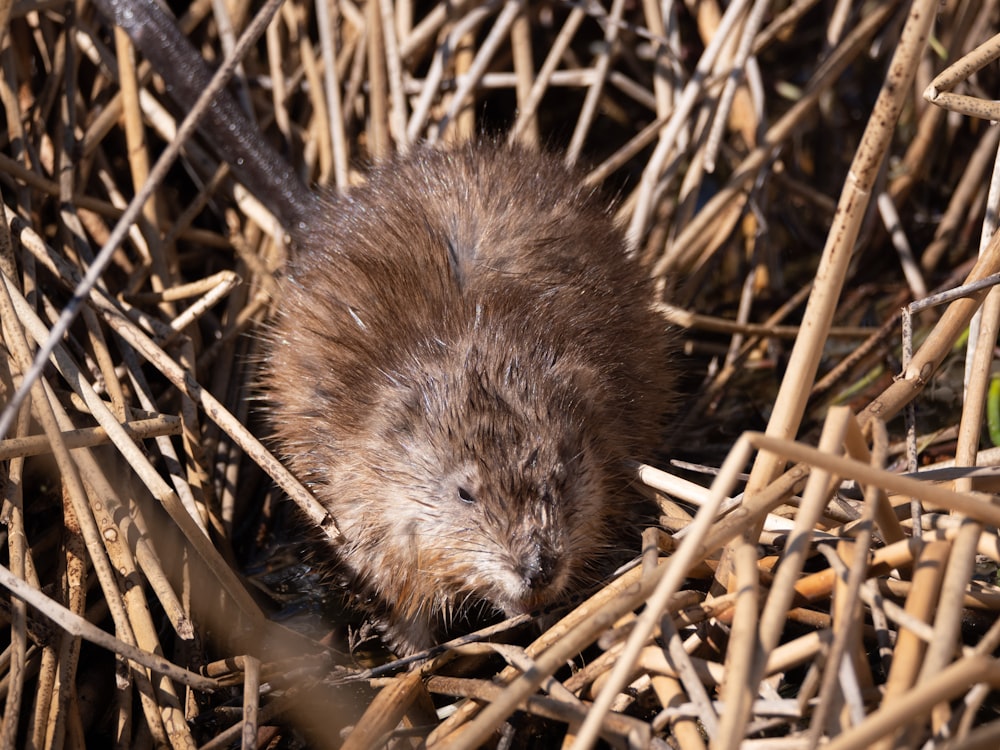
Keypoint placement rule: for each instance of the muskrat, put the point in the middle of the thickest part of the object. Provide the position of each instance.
(463, 360)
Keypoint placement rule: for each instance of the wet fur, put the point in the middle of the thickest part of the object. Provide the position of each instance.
(463, 360)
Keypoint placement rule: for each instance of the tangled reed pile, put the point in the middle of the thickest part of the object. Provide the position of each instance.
(787, 167)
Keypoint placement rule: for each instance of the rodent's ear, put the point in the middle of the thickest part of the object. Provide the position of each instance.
(581, 378)
(532, 459)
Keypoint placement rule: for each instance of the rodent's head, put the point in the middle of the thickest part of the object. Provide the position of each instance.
(483, 482)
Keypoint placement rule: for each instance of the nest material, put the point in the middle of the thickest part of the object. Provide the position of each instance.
(764, 156)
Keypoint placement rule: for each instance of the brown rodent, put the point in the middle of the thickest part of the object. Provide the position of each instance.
(463, 361)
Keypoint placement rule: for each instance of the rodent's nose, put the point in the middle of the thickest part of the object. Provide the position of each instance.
(538, 570)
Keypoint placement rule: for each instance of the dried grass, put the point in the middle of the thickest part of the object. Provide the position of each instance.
(780, 170)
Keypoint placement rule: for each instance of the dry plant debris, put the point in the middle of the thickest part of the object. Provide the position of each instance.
(779, 168)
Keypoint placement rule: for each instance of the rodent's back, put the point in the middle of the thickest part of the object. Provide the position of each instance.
(464, 358)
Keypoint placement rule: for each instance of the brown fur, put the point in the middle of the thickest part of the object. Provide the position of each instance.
(463, 361)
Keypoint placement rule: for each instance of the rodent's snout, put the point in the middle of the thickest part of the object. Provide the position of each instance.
(540, 574)
(539, 569)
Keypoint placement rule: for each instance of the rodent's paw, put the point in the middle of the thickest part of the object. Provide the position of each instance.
(407, 636)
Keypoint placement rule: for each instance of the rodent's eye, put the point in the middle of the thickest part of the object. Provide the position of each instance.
(465, 496)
